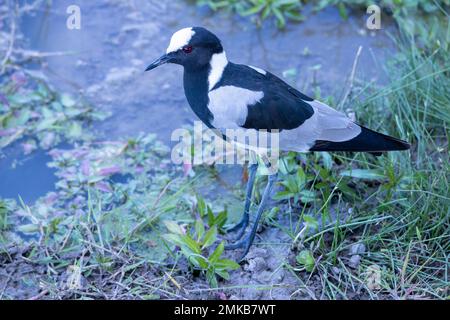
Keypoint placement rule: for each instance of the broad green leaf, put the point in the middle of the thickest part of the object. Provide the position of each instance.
(174, 238)
(307, 196)
(210, 237)
(217, 253)
(226, 264)
(199, 229)
(191, 243)
(224, 274)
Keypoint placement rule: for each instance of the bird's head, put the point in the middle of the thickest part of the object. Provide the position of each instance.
(190, 47)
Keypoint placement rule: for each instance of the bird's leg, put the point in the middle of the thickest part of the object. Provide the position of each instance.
(248, 240)
(242, 225)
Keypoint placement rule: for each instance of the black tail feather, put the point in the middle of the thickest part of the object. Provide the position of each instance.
(367, 141)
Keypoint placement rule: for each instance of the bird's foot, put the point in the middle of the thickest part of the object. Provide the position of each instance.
(241, 227)
(236, 227)
(242, 244)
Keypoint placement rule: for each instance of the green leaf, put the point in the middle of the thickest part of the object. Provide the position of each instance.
(197, 260)
(201, 206)
(191, 243)
(253, 10)
(306, 259)
(46, 124)
(217, 253)
(226, 264)
(211, 277)
(296, 16)
(224, 274)
(173, 227)
(67, 101)
(75, 131)
(307, 196)
(210, 237)
(283, 195)
(366, 174)
(175, 239)
(281, 21)
(342, 11)
(28, 228)
(311, 222)
(199, 229)
(327, 160)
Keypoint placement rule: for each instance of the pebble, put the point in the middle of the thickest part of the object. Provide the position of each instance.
(257, 264)
(354, 261)
(336, 270)
(357, 248)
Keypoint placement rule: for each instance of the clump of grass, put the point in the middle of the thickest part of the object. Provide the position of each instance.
(400, 207)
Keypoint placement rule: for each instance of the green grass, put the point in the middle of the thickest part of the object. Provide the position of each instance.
(401, 205)
(284, 11)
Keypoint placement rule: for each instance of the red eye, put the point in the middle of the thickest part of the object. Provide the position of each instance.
(187, 49)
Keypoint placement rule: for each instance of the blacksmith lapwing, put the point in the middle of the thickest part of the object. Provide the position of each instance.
(228, 95)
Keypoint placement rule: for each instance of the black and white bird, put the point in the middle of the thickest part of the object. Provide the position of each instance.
(225, 95)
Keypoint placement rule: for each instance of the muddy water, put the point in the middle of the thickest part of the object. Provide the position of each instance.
(106, 58)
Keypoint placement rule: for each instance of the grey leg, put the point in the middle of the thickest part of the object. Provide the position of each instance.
(242, 225)
(248, 240)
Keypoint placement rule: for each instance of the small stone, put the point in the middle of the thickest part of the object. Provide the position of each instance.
(354, 261)
(257, 253)
(336, 270)
(257, 264)
(357, 248)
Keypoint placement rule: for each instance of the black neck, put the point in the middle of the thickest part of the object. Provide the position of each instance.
(196, 91)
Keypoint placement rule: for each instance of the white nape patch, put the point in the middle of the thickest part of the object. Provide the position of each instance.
(229, 105)
(218, 63)
(325, 124)
(180, 39)
(264, 72)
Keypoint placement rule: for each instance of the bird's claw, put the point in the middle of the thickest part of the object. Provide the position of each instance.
(241, 227)
(236, 227)
(242, 244)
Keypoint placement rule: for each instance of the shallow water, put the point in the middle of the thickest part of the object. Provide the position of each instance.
(25, 176)
(118, 39)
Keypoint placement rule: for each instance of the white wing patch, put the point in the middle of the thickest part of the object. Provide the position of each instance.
(218, 63)
(259, 70)
(325, 124)
(180, 39)
(229, 105)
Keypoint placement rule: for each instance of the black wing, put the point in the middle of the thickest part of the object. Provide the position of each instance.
(282, 106)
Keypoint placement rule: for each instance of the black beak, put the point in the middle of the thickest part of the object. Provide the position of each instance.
(162, 60)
